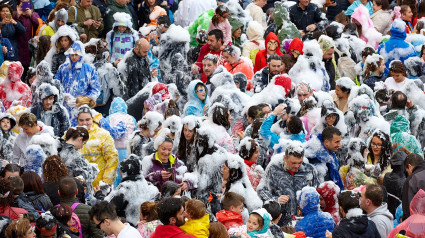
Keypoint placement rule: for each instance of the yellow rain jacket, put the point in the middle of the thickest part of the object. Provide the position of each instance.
(100, 149)
(198, 227)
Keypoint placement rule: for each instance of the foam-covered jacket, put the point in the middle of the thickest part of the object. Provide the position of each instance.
(45, 75)
(13, 89)
(117, 114)
(400, 133)
(194, 105)
(329, 191)
(355, 225)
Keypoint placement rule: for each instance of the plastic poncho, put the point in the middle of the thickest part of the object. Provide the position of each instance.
(284, 27)
(202, 22)
(194, 105)
(118, 113)
(198, 227)
(369, 34)
(329, 191)
(100, 149)
(13, 89)
(400, 134)
(44, 75)
(189, 10)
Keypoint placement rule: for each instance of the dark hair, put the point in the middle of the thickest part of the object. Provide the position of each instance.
(235, 174)
(412, 4)
(273, 208)
(127, 30)
(384, 3)
(147, 2)
(169, 188)
(220, 116)
(413, 159)
(329, 132)
(246, 154)
(217, 33)
(398, 100)
(218, 230)
(148, 209)
(274, 57)
(99, 54)
(375, 194)
(396, 66)
(386, 149)
(382, 96)
(186, 146)
(32, 182)
(372, 66)
(54, 169)
(103, 210)
(421, 13)
(172, 109)
(163, 20)
(62, 213)
(403, 8)
(168, 208)
(6, 6)
(348, 200)
(255, 112)
(368, 51)
(28, 119)
(343, 89)
(295, 125)
(290, 150)
(12, 168)
(75, 132)
(256, 125)
(219, 11)
(7, 198)
(67, 187)
(232, 199)
(288, 61)
(43, 48)
(17, 184)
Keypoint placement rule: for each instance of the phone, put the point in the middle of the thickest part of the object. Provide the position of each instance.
(100, 19)
(26, 5)
(170, 170)
(8, 16)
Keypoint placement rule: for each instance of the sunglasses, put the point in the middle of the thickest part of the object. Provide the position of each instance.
(201, 90)
(100, 223)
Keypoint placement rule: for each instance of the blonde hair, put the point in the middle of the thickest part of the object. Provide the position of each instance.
(85, 100)
(195, 208)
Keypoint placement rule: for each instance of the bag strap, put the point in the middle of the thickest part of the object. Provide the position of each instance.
(75, 20)
(75, 205)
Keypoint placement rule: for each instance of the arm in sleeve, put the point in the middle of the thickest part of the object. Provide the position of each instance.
(267, 134)
(20, 29)
(110, 155)
(5, 42)
(17, 153)
(228, 33)
(94, 84)
(64, 121)
(154, 177)
(34, 19)
(117, 132)
(320, 19)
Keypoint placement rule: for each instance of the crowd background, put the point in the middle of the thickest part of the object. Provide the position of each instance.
(237, 118)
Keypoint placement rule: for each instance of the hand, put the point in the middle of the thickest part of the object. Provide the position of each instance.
(89, 22)
(205, 109)
(409, 104)
(240, 134)
(116, 62)
(97, 24)
(28, 12)
(365, 154)
(283, 199)
(279, 110)
(311, 27)
(4, 49)
(165, 175)
(184, 186)
(154, 72)
(195, 69)
(328, 234)
(96, 189)
(152, 36)
(12, 21)
(83, 38)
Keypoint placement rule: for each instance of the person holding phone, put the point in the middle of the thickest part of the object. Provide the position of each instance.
(88, 19)
(10, 28)
(163, 166)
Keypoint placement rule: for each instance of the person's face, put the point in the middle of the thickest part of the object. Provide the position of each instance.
(322, 203)
(376, 7)
(208, 67)
(304, 3)
(122, 28)
(272, 46)
(214, 44)
(143, 51)
(225, 171)
(179, 219)
(339, 93)
(302, 93)
(60, 22)
(103, 225)
(330, 119)
(201, 92)
(253, 224)
(363, 200)
(261, 3)
(86, 3)
(237, 33)
(254, 156)
(381, 67)
(334, 144)
(75, 57)
(5, 124)
(30, 233)
(229, 58)
(376, 145)
(85, 119)
(295, 53)
(328, 54)
(48, 103)
(398, 77)
(188, 134)
(30, 131)
(64, 41)
(293, 163)
(4, 12)
(8, 174)
(151, 2)
(237, 209)
(275, 66)
(164, 150)
(79, 143)
(407, 16)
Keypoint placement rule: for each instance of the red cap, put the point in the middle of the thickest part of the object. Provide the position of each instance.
(161, 89)
(283, 81)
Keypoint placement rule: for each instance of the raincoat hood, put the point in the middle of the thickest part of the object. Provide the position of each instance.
(229, 218)
(43, 70)
(122, 19)
(283, 81)
(417, 205)
(361, 14)
(46, 90)
(329, 191)
(64, 30)
(192, 92)
(296, 44)
(266, 218)
(235, 24)
(75, 48)
(118, 105)
(326, 43)
(14, 72)
(272, 36)
(400, 124)
(398, 29)
(308, 200)
(255, 31)
(62, 14)
(10, 117)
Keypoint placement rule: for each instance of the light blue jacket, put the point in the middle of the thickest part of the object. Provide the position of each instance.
(194, 105)
(355, 4)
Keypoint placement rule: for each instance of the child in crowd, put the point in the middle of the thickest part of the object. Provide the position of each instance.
(148, 218)
(233, 206)
(7, 136)
(219, 21)
(398, 76)
(257, 226)
(375, 68)
(197, 222)
(21, 200)
(273, 208)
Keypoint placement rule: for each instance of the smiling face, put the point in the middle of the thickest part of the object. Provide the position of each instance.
(253, 223)
(272, 46)
(407, 16)
(85, 119)
(4, 11)
(201, 92)
(214, 44)
(5, 124)
(375, 7)
(122, 28)
(330, 119)
(229, 58)
(376, 145)
(164, 151)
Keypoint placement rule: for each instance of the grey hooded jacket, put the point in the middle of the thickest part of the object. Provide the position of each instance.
(383, 219)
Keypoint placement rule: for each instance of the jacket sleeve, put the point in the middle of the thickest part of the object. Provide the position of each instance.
(17, 153)
(20, 29)
(132, 76)
(267, 134)
(64, 121)
(320, 18)
(94, 84)
(5, 42)
(154, 177)
(117, 132)
(227, 33)
(110, 154)
(55, 64)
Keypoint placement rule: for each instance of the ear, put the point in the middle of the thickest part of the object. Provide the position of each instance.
(172, 220)
(76, 192)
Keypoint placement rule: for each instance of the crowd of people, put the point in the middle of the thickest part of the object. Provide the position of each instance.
(238, 118)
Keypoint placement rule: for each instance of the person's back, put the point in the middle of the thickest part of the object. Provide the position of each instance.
(415, 167)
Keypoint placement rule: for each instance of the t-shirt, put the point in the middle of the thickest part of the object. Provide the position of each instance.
(391, 84)
(129, 232)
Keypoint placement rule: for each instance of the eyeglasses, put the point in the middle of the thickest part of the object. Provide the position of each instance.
(376, 145)
(332, 116)
(201, 90)
(100, 223)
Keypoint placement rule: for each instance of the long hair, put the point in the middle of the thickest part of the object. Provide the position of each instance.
(370, 67)
(234, 175)
(54, 169)
(386, 149)
(6, 192)
(220, 116)
(184, 145)
(219, 11)
(32, 182)
(43, 48)
(59, 45)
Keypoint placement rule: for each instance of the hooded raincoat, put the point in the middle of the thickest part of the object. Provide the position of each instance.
(400, 133)
(255, 33)
(369, 34)
(13, 89)
(44, 75)
(194, 105)
(261, 58)
(329, 191)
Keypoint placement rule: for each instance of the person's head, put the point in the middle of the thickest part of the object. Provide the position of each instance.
(170, 189)
(233, 202)
(163, 23)
(6, 193)
(64, 43)
(28, 123)
(53, 169)
(366, 52)
(195, 209)
(20, 228)
(271, 46)
(104, 216)
(5, 9)
(260, 3)
(201, 91)
(249, 149)
(46, 226)
(85, 118)
(411, 161)
(253, 113)
(48, 102)
(32, 182)
(77, 136)
(75, 52)
(303, 91)
(287, 63)
(62, 213)
(17, 185)
(61, 18)
(255, 222)
(293, 158)
(230, 173)
(221, 14)
(398, 100)
(148, 211)
(165, 148)
(331, 138)
(294, 125)
(151, 123)
(347, 200)
(5, 124)
(328, 54)
(218, 230)
(398, 71)
(141, 48)
(380, 5)
(85, 100)
(86, 3)
(380, 147)
(171, 211)
(274, 209)
(371, 198)
(215, 39)
(209, 64)
(406, 12)
(342, 18)
(151, 3)
(11, 170)
(275, 64)
(67, 187)
(303, 3)
(221, 115)
(231, 54)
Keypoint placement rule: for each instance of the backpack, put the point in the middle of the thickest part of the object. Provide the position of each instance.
(76, 224)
